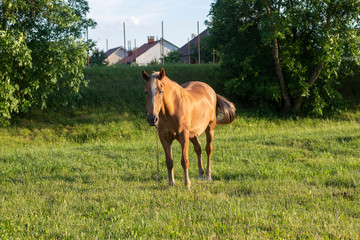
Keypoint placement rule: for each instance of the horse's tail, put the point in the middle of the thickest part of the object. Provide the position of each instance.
(227, 109)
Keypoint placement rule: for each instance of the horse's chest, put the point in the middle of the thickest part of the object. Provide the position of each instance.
(169, 134)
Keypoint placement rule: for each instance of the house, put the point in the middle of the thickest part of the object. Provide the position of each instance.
(114, 55)
(149, 52)
(186, 50)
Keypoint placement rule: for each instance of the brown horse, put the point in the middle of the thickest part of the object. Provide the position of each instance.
(183, 113)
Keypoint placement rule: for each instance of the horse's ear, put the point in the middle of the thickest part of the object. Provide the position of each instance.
(161, 74)
(145, 75)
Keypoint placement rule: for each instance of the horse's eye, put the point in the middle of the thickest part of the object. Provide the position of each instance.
(146, 92)
(161, 91)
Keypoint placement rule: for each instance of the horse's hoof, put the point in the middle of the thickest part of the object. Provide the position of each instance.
(188, 184)
(208, 178)
(200, 178)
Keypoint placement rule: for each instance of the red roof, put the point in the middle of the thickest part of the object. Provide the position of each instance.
(134, 54)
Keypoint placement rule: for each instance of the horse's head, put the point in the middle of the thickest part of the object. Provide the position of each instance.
(154, 89)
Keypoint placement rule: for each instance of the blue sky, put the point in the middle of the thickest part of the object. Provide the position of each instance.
(143, 18)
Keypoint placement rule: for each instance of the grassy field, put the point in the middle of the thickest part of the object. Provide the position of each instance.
(90, 173)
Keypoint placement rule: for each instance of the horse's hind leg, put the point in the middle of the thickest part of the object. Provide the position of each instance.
(197, 148)
(209, 148)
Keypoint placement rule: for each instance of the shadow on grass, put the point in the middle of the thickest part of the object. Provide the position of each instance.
(77, 116)
(241, 176)
(80, 125)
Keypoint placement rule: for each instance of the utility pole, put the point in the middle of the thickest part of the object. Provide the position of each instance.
(135, 50)
(213, 55)
(107, 51)
(162, 42)
(198, 42)
(87, 40)
(188, 51)
(124, 43)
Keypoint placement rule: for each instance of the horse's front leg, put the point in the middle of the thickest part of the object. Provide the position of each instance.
(184, 142)
(169, 161)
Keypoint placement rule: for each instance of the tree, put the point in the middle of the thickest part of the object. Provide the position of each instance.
(98, 58)
(288, 52)
(41, 52)
(173, 57)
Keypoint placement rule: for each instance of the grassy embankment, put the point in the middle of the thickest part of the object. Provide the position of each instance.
(91, 173)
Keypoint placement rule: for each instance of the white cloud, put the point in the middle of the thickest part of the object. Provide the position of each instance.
(135, 20)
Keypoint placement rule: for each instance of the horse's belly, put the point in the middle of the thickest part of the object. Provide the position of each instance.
(199, 126)
(196, 133)
(201, 117)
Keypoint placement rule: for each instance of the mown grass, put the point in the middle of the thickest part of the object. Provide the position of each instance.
(91, 173)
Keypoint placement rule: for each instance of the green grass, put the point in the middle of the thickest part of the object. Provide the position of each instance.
(91, 173)
(273, 178)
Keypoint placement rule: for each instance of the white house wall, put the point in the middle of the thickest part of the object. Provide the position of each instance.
(154, 53)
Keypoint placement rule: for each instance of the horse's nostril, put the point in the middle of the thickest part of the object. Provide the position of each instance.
(152, 120)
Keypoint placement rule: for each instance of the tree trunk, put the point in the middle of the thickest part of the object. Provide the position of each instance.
(3, 18)
(300, 99)
(287, 104)
(315, 75)
(285, 95)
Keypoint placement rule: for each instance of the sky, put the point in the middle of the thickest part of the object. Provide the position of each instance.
(143, 18)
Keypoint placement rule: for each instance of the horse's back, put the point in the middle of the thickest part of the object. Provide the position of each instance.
(200, 90)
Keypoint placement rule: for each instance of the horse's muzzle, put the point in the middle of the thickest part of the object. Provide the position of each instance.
(153, 120)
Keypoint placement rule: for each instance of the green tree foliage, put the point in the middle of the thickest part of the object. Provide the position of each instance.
(98, 58)
(42, 54)
(287, 52)
(173, 57)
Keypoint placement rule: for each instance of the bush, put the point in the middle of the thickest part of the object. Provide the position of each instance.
(42, 54)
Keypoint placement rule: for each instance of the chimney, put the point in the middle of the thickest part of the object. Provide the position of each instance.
(151, 39)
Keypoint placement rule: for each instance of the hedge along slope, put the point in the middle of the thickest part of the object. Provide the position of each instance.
(122, 87)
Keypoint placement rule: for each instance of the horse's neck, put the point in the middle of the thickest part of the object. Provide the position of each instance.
(172, 95)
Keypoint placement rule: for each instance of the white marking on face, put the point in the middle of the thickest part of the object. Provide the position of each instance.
(153, 92)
